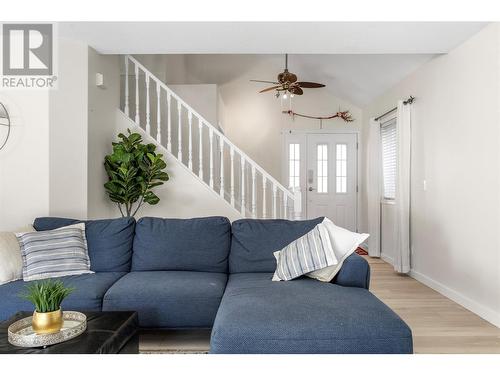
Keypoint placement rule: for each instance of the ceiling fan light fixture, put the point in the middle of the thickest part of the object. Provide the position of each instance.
(287, 82)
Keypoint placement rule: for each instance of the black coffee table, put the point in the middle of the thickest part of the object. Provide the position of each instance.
(109, 332)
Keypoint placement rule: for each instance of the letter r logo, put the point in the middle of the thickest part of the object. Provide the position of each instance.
(27, 49)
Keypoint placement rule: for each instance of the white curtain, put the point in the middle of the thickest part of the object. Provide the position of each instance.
(403, 173)
(374, 169)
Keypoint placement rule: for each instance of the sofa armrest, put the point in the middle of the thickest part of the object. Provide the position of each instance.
(355, 272)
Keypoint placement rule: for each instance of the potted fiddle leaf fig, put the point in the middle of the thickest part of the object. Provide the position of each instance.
(47, 297)
(134, 169)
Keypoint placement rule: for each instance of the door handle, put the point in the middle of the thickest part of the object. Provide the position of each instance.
(311, 188)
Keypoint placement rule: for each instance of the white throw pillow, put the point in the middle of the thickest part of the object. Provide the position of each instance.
(11, 261)
(344, 243)
(310, 252)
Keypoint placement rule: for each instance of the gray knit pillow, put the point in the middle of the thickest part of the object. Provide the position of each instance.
(54, 253)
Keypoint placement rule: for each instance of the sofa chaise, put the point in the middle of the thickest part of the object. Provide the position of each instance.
(207, 273)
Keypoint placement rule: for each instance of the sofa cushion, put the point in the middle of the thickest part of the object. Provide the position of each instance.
(254, 241)
(88, 294)
(109, 240)
(200, 244)
(169, 299)
(258, 315)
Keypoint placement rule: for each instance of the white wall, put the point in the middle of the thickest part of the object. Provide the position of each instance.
(68, 132)
(24, 161)
(455, 129)
(202, 97)
(43, 167)
(103, 103)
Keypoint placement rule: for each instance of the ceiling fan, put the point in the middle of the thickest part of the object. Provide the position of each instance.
(287, 82)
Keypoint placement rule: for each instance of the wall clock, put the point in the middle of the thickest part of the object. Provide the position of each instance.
(4, 126)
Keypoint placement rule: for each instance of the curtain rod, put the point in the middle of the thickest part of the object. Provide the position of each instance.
(410, 100)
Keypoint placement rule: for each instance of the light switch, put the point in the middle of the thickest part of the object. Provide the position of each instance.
(99, 80)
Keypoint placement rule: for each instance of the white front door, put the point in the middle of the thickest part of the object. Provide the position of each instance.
(331, 178)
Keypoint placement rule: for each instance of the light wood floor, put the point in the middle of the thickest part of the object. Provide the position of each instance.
(439, 325)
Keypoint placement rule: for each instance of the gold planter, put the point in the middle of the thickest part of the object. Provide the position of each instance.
(49, 322)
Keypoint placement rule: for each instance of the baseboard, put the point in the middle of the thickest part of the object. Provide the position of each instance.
(484, 312)
(387, 259)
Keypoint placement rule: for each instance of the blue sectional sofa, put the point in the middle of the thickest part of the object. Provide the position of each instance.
(207, 273)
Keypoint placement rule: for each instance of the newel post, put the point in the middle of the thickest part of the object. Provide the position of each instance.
(297, 203)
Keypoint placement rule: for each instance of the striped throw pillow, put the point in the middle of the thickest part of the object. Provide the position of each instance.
(311, 252)
(54, 253)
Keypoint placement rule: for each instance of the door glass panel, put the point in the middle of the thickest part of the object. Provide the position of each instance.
(322, 159)
(294, 165)
(341, 170)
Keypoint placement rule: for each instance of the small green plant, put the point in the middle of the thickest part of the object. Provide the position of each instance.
(133, 169)
(46, 295)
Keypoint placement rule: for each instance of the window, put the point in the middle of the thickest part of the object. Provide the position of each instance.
(294, 165)
(389, 156)
(341, 170)
(322, 168)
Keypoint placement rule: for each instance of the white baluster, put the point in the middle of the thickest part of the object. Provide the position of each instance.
(169, 122)
(190, 148)
(211, 135)
(221, 167)
(254, 194)
(179, 112)
(232, 175)
(243, 186)
(297, 203)
(264, 207)
(137, 118)
(158, 112)
(200, 160)
(285, 198)
(148, 114)
(275, 198)
(126, 87)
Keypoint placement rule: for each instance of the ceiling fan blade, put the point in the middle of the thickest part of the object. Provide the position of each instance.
(310, 85)
(296, 90)
(257, 80)
(270, 88)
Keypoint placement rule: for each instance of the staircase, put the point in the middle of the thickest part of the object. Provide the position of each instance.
(177, 129)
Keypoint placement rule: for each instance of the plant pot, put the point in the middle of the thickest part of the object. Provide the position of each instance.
(49, 322)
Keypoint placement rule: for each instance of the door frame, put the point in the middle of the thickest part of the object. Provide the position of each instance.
(301, 136)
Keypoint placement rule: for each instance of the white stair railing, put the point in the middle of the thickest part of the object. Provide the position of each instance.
(248, 191)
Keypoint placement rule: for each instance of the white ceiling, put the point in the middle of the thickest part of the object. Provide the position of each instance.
(356, 60)
(271, 37)
(355, 78)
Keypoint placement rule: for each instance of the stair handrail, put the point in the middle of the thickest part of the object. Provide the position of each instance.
(262, 171)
